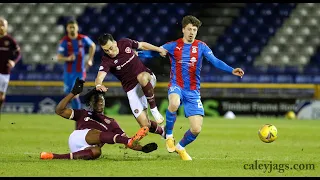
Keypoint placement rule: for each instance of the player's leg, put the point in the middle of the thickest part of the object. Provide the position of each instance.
(79, 147)
(85, 144)
(4, 81)
(174, 96)
(154, 127)
(75, 102)
(148, 83)
(194, 111)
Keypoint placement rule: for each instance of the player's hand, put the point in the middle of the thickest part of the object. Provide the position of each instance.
(78, 86)
(163, 52)
(89, 63)
(11, 63)
(71, 57)
(238, 72)
(101, 88)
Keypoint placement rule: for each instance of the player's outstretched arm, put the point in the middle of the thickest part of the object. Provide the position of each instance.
(220, 64)
(61, 109)
(148, 46)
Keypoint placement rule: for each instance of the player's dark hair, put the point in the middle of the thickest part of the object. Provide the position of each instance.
(191, 20)
(72, 21)
(103, 39)
(92, 93)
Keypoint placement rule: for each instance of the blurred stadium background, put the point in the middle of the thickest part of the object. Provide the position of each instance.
(277, 45)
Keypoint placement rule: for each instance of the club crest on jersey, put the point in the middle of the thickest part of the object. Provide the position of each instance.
(118, 67)
(115, 61)
(107, 121)
(127, 50)
(136, 111)
(194, 49)
(6, 43)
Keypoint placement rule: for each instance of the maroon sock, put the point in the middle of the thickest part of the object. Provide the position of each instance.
(148, 92)
(154, 128)
(83, 154)
(108, 137)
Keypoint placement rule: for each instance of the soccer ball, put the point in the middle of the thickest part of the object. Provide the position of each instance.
(268, 133)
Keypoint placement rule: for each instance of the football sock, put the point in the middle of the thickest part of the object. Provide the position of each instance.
(154, 128)
(83, 154)
(148, 92)
(112, 138)
(187, 138)
(76, 103)
(171, 118)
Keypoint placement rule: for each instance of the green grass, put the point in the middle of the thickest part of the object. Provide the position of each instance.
(222, 149)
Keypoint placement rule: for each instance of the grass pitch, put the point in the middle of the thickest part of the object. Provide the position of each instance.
(223, 148)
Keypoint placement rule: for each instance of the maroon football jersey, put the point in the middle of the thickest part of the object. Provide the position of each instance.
(126, 65)
(9, 49)
(91, 120)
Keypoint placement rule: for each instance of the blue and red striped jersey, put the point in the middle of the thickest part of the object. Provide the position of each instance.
(186, 62)
(77, 47)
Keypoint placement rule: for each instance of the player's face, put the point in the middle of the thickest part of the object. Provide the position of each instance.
(99, 105)
(111, 48)
(190, 32)
(3, 27)
(72, 29)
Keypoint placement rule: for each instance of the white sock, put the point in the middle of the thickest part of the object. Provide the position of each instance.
(169, 135)
(179, 147)
(154, 109)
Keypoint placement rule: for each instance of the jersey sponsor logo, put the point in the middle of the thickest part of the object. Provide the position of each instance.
(128, 50)
(89, 119)
(121, 66)
(100, 68)
(192, 60)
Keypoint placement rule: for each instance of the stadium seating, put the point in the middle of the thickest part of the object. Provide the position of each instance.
(272, 42)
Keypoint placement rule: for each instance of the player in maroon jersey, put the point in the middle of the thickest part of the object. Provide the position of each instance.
(137, 80)
(93, 128)
(9, 55)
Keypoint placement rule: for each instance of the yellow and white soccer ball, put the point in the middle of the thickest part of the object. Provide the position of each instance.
(268, 133)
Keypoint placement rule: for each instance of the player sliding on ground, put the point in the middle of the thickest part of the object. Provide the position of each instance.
(93, 128)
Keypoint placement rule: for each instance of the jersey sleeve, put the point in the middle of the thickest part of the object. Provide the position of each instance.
(132, 43)
(76, 114)
(104, 65)
(62, 49)
(169, 47)
(16, 51)
(87, 41)
(208, 54)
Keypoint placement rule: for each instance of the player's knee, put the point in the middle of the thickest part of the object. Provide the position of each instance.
(174, 105)
(143, 78)
(195, 130)
(96, 151)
